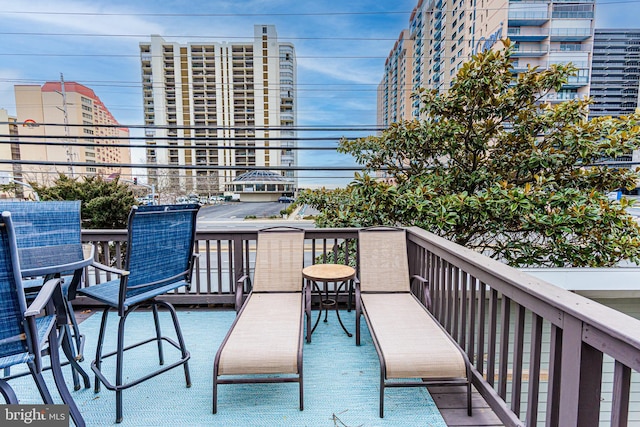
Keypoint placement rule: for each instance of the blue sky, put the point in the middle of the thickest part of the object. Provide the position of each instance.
(341, 48)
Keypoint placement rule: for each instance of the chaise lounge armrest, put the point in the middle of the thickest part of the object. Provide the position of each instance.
(424, 283)
(240, 290)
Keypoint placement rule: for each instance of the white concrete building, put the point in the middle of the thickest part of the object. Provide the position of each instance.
(233, 104)
(446, 33)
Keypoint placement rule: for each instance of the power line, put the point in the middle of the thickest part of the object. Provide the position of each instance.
(192, 36)
(178, 175)
(172, 138)
(126, 55)
(207, 15)
(181, 147)
(268, 14)
(331, 128)
(179, 167)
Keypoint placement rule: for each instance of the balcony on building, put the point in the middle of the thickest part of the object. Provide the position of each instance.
(518, 18)
(527, 34)
(528, 50)
(570, 34)
(576, 82)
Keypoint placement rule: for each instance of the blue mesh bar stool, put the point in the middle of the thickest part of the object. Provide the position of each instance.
(24, 332)
(50, 245)
(159, 259)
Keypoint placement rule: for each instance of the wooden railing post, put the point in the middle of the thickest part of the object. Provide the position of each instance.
(620, 398)
(590, 386)
(238, 258)
(581, 377)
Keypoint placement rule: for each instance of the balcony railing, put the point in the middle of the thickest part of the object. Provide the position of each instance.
(529, 342)
(570, 34)
(527, 34)
(525, 18)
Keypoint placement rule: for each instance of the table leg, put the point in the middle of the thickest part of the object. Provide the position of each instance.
(317, 288)
(338, 311)
(326, 303)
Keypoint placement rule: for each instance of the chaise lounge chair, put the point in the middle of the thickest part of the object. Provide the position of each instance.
(414, 350)
(264, 343)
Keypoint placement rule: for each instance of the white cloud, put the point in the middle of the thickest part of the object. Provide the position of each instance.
(341, 69)
(52, 17)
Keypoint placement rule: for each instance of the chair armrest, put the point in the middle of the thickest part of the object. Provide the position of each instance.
(108, 269)
(192, 263)
(50, 298)
(44, 296)
(426, 295)
(240, 290)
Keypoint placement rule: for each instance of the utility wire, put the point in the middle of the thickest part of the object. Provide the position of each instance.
(192, 36)
(173, 138)
(178, 175)
(332, 128)
(181, 147)
(207, 15)
(178, 167)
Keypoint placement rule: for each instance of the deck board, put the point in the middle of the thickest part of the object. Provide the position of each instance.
(452, 403)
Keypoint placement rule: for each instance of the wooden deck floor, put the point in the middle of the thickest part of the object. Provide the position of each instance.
(452, 403)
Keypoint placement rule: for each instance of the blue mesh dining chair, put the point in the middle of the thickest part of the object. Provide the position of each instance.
(159, 258)
(49, 241)
(24, 331)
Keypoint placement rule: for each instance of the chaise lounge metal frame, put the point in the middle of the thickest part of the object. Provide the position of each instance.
(414, 350)
(265, 341)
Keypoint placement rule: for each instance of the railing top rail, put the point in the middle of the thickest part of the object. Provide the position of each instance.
(618, 325)
(541, 297)
(310, 233)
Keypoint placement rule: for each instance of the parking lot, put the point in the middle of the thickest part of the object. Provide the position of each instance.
(233, 211)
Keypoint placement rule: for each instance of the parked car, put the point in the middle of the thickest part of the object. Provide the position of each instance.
(286, 199)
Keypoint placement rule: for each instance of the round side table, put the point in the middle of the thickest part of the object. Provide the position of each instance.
(327, 273)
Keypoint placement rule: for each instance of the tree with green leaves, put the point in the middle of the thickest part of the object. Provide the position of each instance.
(105, 204)
(494, 167)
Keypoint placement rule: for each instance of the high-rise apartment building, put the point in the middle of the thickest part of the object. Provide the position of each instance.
(615, 72)
(224, 106)
(45, 110)
(446, 33)
(615, 77)
(396, 102)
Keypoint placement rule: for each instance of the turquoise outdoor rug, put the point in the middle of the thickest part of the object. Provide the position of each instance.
(340, 381)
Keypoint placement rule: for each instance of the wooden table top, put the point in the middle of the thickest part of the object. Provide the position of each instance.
(329, 272)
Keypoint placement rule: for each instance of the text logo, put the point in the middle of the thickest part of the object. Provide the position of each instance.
(34, 415)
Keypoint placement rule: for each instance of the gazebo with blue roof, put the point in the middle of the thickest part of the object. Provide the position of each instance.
(261, 186)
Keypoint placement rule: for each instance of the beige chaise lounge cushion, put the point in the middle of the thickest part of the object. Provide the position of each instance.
(266, 338)
(412, 344)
